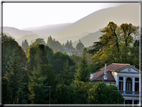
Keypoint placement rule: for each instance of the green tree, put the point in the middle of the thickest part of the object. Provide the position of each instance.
(20, 95)
(80, 91)
(75, 58)
(8, 46)
(79, 46)
(64, 94)
(100, 93)
(39, 94)
(58, 61)
(82, 73)
(15, 74)
(6, 91)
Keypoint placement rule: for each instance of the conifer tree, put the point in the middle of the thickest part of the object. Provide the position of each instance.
(39, 94)
(20, 99)
(82, 73)
(6, 91)
(66, 74)
(15, 74)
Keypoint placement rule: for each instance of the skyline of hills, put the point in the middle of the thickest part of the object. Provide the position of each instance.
(86, 29)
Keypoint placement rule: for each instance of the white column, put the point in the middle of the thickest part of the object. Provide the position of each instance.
(117, 82)
(133, 85)
(124, 84)
(132, 101)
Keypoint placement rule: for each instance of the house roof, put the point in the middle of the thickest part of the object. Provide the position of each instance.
(109, 77)
(113, 67)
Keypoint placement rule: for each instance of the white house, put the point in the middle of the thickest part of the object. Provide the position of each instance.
(124, 76)
(73, 51)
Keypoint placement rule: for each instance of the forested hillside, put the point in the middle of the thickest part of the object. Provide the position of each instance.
(44, 74)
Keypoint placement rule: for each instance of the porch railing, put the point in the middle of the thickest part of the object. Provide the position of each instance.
(130, 92)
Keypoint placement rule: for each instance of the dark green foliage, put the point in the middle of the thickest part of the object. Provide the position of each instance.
(6, 91)
(75, 58)
(101, 93)
(37, 54)
(39, 94)
(67, 75)
(64, 95)
(9, 44)
(82, 73)
(79, 46)
(58, 61)
(20, 95)
(80, 90)
(15, 74)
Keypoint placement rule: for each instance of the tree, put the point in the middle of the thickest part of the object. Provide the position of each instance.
(126, 32)
(79, 46)
(15, 74)
(39, 94)
(6, 91)
(75, 58)
(8, 46)
(54, 45)
(20, 99)
(64, 94)
(80, 90)
(66, 74)
(82, 73)
(101, 93)
(58, 61)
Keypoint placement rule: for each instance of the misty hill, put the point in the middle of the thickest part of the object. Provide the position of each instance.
(30, 38)
(16, 33)
(89, 39)
(85, 28)
(121, 14)
(48, 29)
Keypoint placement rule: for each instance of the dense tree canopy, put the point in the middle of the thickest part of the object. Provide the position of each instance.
(101, 93)
(26, 75)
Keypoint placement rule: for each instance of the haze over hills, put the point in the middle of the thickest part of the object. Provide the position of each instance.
(16, 32)
(48, 29)
(89, 39)
(86, 29)
(121, 14)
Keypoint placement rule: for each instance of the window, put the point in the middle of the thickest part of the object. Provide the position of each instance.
(120, 85)
(120, 78)
(136, 86)
(136, 79)
(129, 84)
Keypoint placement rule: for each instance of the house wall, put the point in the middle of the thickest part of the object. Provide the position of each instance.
(114, 75)
(128, 75)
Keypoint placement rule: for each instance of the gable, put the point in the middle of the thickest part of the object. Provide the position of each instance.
(128, 69)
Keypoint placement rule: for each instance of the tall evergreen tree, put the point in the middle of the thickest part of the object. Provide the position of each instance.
(15, 74)
(83, 72)
(39, 94)
(6, 91)
(20, 99)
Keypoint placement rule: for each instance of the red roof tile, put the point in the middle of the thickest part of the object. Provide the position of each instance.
(109, 77)
(112, 67)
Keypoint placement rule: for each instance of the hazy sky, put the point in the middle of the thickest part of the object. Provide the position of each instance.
(25, 15)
